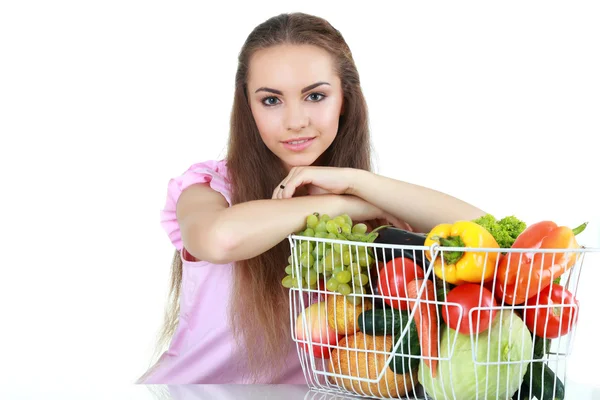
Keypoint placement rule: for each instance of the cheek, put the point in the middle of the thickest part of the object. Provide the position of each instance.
(267, 123)
(326, 119)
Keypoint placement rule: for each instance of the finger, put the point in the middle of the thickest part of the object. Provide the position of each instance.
(277, 192)
(292, 182)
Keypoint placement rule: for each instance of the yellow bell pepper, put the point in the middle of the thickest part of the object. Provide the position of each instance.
(463, 266)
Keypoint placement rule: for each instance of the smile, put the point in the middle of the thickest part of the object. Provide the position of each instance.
(298, 144)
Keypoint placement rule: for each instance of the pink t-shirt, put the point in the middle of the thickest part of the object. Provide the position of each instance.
(203, 349)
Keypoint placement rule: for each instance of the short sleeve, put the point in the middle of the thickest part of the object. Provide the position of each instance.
(212, 172)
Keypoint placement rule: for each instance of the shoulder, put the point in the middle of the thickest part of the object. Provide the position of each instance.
(212, 172)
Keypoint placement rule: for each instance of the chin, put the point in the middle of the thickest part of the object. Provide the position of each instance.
(301, 160)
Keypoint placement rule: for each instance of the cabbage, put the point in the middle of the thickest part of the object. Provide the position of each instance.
(459, 377)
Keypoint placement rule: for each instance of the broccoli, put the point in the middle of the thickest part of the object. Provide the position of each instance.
(505, 231)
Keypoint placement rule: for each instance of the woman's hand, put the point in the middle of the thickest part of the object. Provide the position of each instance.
(319, 180)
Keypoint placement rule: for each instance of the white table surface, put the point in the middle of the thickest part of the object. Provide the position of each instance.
(207, 392)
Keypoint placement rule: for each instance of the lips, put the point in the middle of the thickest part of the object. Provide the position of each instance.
(298, 140)
(298, 144)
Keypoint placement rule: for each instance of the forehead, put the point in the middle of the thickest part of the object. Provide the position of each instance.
(290, 67)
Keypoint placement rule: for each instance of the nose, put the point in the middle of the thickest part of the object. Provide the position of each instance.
(296, 118)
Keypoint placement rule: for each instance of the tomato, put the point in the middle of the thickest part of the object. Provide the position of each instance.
(322, 336)
(548, 321)
(394, 277)
(467, 296)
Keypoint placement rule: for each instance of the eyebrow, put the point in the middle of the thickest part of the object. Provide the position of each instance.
(306, 89)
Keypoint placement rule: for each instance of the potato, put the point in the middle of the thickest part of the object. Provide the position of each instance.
(342, 315)
(359, 363)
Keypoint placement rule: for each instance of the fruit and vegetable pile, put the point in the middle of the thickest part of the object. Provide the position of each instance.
(464, 324)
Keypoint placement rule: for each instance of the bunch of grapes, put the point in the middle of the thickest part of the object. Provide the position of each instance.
(341, 268)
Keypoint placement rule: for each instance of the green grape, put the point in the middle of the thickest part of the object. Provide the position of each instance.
(328, 263)
(356, 297)
(340, 236)
(344, 289)
(337, 270)
(322, 247)
(361, 280)
(319, 266)
(321, 235)
(346, 229)
(328, 252)
(340, 248)
(309, 232)
(331, 236)
(311, 277)
(353, 299)
(332, 227)
(302, 283)
(359, 290)
(332, 284)
(355, 268)
(306, 247)
(363, 259)
(287, 282)
(324, 217)
(359, 228)
(291, 259)
(340, 220)
(347, 219)
(346, 257)
(307, 260)
(311, 221)
(289, 270)
(315, 253)
(321, 227)
(343, 276)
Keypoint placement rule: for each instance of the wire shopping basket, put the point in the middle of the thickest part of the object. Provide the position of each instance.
(383, 320)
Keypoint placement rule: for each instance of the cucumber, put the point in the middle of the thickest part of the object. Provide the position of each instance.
(542, 382)
(539, 345)
(390, 321)
(409, 346)
(382, 321)
(541, 376)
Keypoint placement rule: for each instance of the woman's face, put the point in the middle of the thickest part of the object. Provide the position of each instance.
(296, 99)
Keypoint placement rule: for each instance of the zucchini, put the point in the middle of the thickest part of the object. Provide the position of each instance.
(382, 321)
(409, 346)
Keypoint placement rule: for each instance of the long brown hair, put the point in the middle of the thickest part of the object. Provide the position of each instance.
(259, 303)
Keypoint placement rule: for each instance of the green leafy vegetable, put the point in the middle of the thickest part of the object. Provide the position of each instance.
(489, 366)
(505, 230)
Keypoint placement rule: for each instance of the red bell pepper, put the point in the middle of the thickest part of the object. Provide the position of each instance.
(557, 315)
(521, 276)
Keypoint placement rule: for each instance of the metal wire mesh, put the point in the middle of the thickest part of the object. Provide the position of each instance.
(369, 339)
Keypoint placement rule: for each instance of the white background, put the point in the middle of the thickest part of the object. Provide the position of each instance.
(101, 103)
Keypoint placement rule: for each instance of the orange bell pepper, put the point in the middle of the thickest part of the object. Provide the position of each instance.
(521, 276)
